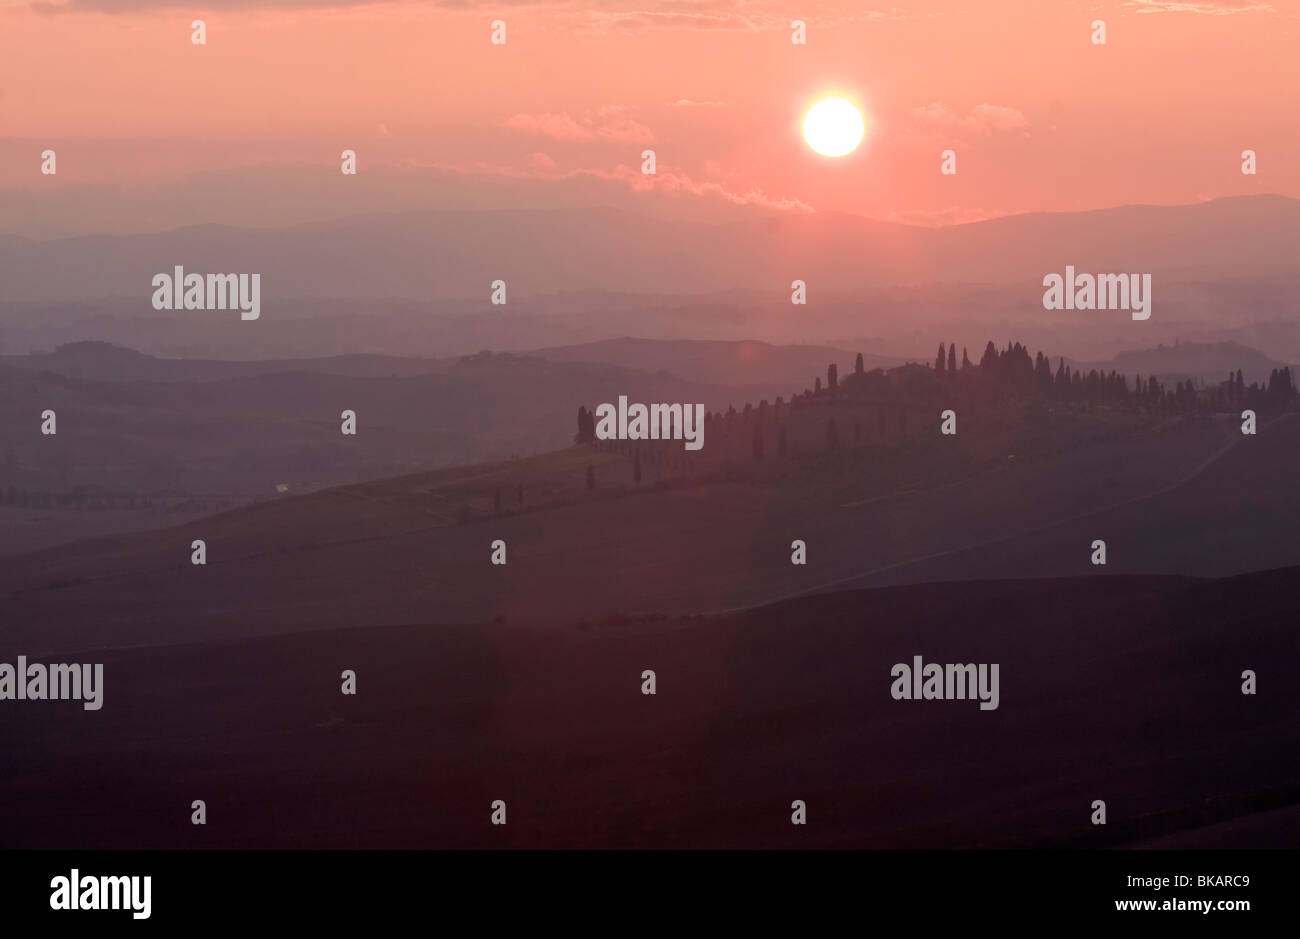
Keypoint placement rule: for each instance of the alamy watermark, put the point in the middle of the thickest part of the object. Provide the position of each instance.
(75, 892)
(951, 682)
(1098, 292)
(36, 682)
(181, 291)
(651, 422)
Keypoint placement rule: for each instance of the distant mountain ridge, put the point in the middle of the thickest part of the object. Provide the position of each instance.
(1208, 361)
(743, 362)
(458, 254)
(94, 360)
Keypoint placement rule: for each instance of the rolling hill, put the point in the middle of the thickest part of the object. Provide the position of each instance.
(416, 548)
(729, 363)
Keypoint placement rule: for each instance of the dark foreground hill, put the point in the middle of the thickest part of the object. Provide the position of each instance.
(1121, 689)
(1228, 515)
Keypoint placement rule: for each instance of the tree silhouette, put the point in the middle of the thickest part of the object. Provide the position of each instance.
(586, 426)
(989, 361)
(832, 376)
(857, 365)
(940, 359)
(952, 358)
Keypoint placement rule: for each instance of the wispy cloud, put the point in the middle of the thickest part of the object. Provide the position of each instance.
(981, 119)
(625, 16)
(681, 183)
(143, 6)
(1211, 7)
(608, 123)
(541, 166)
(644, 20)
(559, 126)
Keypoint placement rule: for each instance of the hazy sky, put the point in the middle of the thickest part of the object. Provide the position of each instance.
(1040, 117)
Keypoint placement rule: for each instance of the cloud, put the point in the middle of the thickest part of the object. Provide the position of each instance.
(892, 15)
(938, 218)
(997, 117)
(559, 126)
(609, 123)
(981, 119)
(140, 6)
(540, 166)
(136, 6)
(688, 103)
(680, 183)
(600, 16)
(644, 20)
(637, 16)
(476, 4)
(1212, 7)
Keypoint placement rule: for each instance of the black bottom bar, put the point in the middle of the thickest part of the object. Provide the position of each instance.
(650, 889)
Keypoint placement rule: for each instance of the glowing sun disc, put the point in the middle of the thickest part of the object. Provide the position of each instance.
(833, 127)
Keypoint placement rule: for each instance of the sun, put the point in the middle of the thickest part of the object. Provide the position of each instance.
(833, 127)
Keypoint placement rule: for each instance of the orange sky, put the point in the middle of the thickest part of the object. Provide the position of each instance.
(1040, 117)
